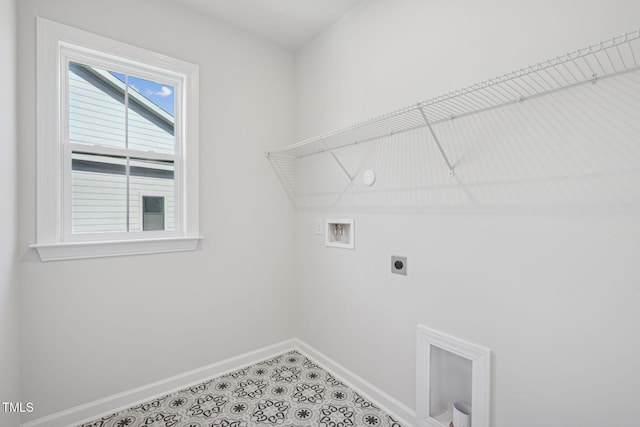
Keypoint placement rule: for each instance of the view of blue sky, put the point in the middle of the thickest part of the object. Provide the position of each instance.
(160, 94)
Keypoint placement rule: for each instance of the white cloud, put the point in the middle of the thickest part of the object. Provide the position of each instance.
(163, 92)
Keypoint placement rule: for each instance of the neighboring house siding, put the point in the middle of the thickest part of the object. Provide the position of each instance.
(99, 201)
(147, 136)
(94, 116)
(97, 116)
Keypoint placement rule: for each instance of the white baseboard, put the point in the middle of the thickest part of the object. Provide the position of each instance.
(117, 402)
(398, 410)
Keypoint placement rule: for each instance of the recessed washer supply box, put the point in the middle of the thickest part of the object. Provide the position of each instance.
(339, 233)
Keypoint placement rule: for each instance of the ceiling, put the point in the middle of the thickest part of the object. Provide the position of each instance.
(290, 23)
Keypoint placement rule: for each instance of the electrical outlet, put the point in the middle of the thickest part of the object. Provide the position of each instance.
(319, 224)
(399, 265)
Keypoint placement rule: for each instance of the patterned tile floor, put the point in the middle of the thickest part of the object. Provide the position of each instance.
(288, 390)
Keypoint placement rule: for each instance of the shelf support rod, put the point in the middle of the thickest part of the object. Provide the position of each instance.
(339, 162)
(435, 138)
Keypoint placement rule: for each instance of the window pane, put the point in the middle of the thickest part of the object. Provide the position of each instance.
(150, 181)
(152, 213)
(151, 124)
(153, 204)
(98, 194)
(96, 106)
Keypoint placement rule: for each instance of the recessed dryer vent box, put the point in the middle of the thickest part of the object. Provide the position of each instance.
(451, 370)
(339, 233)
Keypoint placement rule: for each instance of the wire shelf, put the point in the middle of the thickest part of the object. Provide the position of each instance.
(606, 59)
(610, 58)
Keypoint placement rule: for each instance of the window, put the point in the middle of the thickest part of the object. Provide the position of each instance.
(153, 213)
(117, 148)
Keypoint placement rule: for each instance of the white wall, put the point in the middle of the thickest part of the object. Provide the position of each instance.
(9, 292)
(92, 328)
(553, 291)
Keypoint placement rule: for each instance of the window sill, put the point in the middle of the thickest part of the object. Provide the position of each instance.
(80, 250)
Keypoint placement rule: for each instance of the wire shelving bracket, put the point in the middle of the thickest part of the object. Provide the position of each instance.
(610, 58)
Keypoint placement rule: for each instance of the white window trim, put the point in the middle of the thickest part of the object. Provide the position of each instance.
(50, 238)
